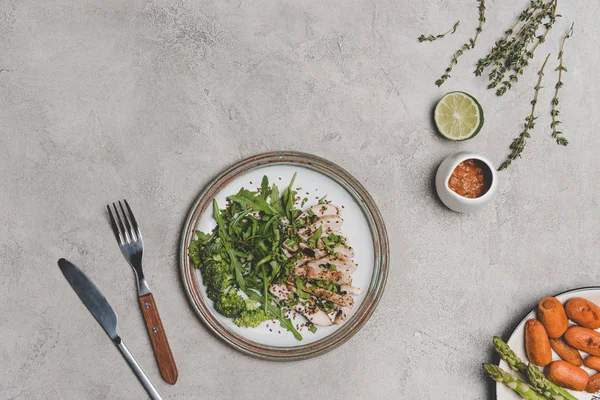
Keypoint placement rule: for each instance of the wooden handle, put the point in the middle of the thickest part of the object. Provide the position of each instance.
(162, 351)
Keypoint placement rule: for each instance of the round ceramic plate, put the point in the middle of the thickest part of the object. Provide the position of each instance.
(363, 226)
(517, 343)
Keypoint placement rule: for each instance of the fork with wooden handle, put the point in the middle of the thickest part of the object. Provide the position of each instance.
(131, 244)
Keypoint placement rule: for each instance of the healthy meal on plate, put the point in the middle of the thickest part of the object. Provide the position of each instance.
(565, 330)
(267, 259)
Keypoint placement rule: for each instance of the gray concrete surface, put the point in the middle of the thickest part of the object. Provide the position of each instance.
(101, 100)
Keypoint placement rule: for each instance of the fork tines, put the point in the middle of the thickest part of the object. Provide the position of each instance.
(127, 232)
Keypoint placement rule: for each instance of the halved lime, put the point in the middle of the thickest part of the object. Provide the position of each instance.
(458, 116)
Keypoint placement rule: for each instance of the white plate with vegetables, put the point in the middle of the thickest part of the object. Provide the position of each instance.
(579, 314)
(284, 256)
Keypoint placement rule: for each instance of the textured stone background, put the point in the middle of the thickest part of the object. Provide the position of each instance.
(101, 100)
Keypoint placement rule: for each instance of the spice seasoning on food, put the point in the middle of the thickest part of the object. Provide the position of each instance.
(471, 179)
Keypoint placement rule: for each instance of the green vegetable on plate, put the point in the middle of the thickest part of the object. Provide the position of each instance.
(537, 378)
(243, 255)
(266, 259)
(517, 385)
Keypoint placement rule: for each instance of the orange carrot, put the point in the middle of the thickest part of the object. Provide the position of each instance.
(551, 314)
(584, 339)
(593, 384)
(566, 352)
(583, 312)
(592, 362)
(567, 375)
(537, 343)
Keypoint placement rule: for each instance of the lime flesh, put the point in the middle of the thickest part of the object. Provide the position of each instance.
(458, 116)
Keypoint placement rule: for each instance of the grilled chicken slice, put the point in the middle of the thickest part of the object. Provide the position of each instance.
(344, 251)
(340, 250)
(349, 289)
(328, 224)
(319, 253)
(301, 261)
(339, 299)
(341, 315)
(340, 263)
(323, 274)
(312, 313)
(322, 210)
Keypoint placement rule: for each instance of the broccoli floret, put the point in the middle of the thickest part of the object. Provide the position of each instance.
(217, 277)
(230, 304)
(251, 318)
(252, 304)
(204, 250)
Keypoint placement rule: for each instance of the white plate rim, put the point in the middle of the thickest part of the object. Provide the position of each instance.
(381, 256)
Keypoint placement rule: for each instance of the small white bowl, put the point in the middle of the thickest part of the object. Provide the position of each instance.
(453, 200)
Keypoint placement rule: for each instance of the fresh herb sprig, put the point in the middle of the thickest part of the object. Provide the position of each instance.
(556, 134)
(465, 47)
(512, 53)
(432, 38)
(518, 145)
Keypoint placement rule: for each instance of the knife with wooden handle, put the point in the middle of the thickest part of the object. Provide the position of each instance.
(97, 304)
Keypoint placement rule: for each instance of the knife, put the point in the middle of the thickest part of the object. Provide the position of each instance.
(97, 304)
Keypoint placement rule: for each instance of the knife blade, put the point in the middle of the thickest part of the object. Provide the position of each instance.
(100, 308)
(91, 297)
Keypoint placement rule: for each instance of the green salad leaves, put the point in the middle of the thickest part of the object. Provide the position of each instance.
(243, 254)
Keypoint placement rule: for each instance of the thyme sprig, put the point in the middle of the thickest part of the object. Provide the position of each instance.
(512, 53)
(518, 145)
(432, 38)
(556, 134)
(465, 47)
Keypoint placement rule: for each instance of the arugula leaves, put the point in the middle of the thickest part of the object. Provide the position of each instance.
(248, 237)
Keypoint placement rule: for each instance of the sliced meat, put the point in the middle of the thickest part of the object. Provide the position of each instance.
(314, 315)
(341, 315)
(279, 291)
(344, 251)
(328, 224)
(301, 261)
(319, 253)
(323, 274)
(349, 289)
(339, 250)
(339, 299)
(310, 312)
(340, 263)
(322, 210)
(320, 244)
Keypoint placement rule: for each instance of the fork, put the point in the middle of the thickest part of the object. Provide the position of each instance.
(131, 244)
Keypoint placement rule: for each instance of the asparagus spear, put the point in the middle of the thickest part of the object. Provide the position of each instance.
(516, 364)
(501, 376)
(509, 356)
(549, 389)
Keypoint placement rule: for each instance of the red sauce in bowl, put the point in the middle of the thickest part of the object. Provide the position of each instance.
(471, 179)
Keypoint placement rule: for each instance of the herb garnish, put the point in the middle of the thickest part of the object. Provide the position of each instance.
(431, 38)
(511, 54)
(467, 46)
(556, 134)
(518, 145)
